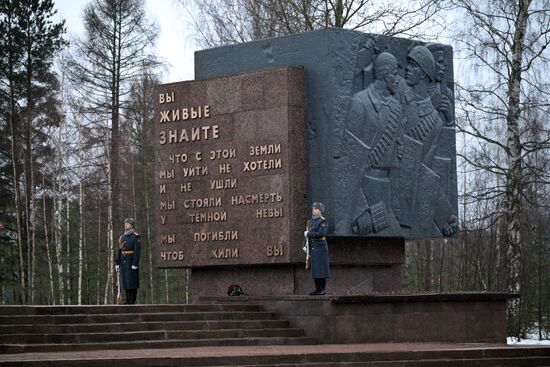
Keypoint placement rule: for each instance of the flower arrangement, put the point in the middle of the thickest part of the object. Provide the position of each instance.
(234, 290)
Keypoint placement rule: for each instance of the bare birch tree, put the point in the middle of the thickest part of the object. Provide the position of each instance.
(220, 22)
(115, 48)
(58, 241)
(47, 242)
(507, 43)
(140, 116)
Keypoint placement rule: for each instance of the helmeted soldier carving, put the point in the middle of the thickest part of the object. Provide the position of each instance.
(441, 95)
(127, 260)
(374, 125)
(420, 184)
(423, 120)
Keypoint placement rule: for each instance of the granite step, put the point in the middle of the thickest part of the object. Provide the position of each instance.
(402, 355)
(110, 336)
(125, 309)
(155, 343)
(134, 317)
(493, 362)
(143, 326)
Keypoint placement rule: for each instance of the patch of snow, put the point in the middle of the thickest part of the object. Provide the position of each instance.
(514, 341)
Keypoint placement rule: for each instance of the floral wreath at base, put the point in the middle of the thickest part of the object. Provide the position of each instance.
(234, 290)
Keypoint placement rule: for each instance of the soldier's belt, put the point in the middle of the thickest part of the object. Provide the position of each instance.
(129, 252)
(319, 239)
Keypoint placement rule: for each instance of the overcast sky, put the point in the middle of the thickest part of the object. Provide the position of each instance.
(175, 43)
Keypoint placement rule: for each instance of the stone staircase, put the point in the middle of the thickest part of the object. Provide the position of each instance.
(25, 329)
(217, 335)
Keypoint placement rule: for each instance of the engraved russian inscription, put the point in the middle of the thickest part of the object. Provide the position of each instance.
(223, 188)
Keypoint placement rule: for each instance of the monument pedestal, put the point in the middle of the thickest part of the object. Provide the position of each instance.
(357, 266)
(457, 318)
(336, 116)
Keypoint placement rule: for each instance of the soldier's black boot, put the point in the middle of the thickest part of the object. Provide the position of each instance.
(322, 284)
(127, 298)
(317, 286)
(133, 296)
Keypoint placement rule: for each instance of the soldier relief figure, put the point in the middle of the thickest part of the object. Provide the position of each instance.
(396, 150)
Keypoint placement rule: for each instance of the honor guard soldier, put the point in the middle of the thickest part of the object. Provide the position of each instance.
(127, 260)
(320, 268)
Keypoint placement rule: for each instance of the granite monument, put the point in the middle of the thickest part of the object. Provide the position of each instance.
(362, 122)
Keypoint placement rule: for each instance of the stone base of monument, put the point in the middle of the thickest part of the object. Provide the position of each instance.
(291, 280)
(357, 266)
(467, 317)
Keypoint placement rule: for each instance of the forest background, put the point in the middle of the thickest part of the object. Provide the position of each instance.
(76, 145)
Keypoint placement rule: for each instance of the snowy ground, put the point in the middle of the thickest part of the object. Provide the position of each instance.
(532, 340)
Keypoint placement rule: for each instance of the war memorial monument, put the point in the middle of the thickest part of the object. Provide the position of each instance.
(269, 127)
(363, 123)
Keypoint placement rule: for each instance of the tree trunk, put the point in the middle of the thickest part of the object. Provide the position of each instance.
(98, 296)
(14, 161)
(441, 267)
(81, 215)
(26, 222)
(28, 163)
(47, 242)
(114, 200)
(541, 269)
(33, 233)
(58, 205)
(187, 290)
(149, 247)
(109, 279)
(339, 14)
(80, 235)
(68, 248)
(464, 266)
(428, 265)
(133, 188)
(166, 289)
(110, 241)
(26, 225)
(514, 184)
(451, 276)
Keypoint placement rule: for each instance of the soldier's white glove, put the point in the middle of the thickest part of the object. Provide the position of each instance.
(305, 234)
(117, 268)
(305, 249)
(134, 267)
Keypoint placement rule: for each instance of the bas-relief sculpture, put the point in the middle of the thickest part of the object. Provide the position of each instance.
(396, 162)
(381, 130)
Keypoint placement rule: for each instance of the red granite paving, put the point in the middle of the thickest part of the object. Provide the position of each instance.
(233, 351)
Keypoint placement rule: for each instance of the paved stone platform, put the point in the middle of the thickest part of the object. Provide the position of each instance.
(378, 354)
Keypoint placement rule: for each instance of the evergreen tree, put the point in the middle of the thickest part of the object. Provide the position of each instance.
(28, 100)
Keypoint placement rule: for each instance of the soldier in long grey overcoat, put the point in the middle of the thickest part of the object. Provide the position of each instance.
(320, 267)
(127, 260)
